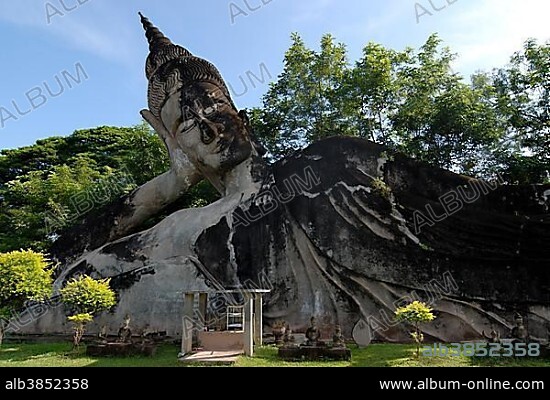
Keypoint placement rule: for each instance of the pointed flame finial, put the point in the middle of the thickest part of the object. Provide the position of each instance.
(154, 36)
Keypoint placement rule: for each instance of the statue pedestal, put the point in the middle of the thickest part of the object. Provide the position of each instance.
(545, 351)
(121, 349)
(314, 353)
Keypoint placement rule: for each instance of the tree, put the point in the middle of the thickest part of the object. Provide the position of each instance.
(522, 96)
(304, 104)
(39, 205)
(370, 92)
(106, 146)
(86, 297)
(409, 100)
(145, 155)
(24, 276)
(440, 119)
(415, 313)
(46, 186)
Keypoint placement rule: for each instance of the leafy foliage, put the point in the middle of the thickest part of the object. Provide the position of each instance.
(136, 148)
(39, 205)
(415, 313)
(522, 95)
(81, 318)
(47, 187)
(381, 187)
(413, 102)
(24, 276)
(87, 295)
(304, 104)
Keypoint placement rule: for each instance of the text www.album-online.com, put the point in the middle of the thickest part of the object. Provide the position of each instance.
(485, 384)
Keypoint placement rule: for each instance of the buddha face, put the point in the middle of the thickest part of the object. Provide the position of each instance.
(209, 129)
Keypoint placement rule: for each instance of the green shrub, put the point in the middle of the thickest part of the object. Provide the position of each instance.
(415, 313)
(24, 276)
(381, 188)
(86, 296)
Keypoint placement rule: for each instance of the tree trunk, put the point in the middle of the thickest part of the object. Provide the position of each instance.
(417, 340)
(78, 334)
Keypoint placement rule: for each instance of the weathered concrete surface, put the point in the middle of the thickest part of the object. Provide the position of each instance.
(340, 230)
(333, 245)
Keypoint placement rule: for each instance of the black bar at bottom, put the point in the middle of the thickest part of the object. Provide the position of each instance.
(312, 380)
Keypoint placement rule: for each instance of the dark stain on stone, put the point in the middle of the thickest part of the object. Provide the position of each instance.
(212, 251)
(92, 231)
(125, 249)
(127, 279)
(83, 268)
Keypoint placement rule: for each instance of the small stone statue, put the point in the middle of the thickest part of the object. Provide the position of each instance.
(287, 337)
(279, 330)
(493, 338)
(313, 334)
(338, 338)
(124, 333)
(102, 334)
(519, 332)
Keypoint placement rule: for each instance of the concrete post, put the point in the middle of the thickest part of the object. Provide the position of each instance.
(187, 332)
(203, 302)
(258, 319)
(248, 326)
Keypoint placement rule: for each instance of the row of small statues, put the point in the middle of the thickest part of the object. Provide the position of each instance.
(124, 334)
(519, 332)
(313, 335)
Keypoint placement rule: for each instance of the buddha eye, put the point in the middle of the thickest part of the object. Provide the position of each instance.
(187, 124)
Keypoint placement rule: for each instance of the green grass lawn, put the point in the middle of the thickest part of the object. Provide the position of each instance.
(60, 355)
(377, 355)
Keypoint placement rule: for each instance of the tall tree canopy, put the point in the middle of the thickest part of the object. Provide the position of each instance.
(304, 104)
(412, 101)
(522, 96)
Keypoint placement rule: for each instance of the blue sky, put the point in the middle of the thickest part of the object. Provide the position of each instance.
(100, 44)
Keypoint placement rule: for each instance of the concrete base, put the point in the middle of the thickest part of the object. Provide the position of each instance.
(120, 349)
(212, 357)
(314, 353)
(221, 341)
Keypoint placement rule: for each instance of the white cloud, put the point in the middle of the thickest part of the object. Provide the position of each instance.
(487, 33)
(91, 27)
(311, 11)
